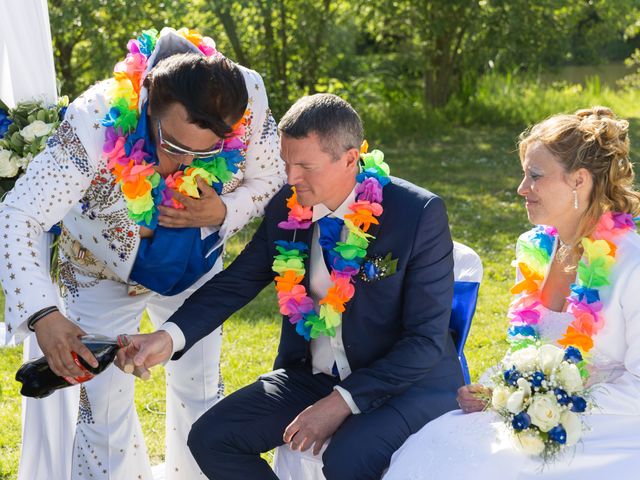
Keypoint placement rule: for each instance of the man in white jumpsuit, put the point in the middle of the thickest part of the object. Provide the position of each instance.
(92, 430)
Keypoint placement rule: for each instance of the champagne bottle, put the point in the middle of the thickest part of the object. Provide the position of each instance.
(39, 381)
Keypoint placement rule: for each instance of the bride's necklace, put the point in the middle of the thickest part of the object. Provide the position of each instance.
(563, 244)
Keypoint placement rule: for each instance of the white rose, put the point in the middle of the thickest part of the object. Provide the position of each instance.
(8, 164)
(36, 129)
(24, 161)
(515, 401)
(569, 377)
(525, 386)
(529, 443)
(573, 426)
(525, 359)
(544, 412)
(550, 357)
(499, 397)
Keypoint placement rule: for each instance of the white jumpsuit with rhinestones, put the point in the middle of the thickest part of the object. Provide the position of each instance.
(93, 431)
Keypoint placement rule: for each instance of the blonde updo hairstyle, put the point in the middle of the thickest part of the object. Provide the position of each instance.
(596, 140)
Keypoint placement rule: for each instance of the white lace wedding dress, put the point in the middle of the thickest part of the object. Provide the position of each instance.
(477, 445)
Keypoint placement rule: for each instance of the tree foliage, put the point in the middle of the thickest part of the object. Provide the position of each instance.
(89, 36)
(451, 43)
(397, 49)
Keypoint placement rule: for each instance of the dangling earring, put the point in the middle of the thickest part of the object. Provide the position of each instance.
(575, 199)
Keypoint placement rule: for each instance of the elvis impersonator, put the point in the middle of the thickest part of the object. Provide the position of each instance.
(146, 178)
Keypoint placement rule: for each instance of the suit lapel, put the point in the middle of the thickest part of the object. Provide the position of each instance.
(375, 231)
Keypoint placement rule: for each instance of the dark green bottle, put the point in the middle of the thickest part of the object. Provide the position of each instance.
(39, 381)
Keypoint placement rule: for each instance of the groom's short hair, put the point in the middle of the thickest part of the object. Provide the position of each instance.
(335, 122)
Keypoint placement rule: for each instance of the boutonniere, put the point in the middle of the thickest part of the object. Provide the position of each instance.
(377, 267)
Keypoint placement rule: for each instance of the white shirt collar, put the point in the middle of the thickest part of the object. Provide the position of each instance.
(321, 210)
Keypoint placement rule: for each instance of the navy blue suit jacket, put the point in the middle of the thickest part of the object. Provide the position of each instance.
(395, 330)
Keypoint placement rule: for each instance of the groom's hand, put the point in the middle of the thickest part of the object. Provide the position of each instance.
(315, 424)
(144, 352)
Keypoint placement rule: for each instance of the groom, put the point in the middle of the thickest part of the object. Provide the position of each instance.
(380, 362)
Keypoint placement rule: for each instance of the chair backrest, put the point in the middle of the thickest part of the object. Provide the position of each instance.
(467, 271)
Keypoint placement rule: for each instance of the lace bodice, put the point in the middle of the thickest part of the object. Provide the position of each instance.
(552, 325)
(603, 369)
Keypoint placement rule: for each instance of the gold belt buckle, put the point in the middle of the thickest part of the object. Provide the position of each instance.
(137, 289)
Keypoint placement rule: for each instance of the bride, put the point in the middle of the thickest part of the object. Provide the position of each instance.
(578, 182)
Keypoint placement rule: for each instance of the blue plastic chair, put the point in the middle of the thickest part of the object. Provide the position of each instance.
(467, 276)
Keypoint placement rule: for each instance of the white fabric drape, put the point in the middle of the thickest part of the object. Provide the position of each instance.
(26, 53)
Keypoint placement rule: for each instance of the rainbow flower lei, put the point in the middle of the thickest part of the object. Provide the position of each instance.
(594, 269)
(132, 160)
(346, 257)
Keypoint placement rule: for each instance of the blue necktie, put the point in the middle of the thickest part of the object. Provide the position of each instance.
(330, 229)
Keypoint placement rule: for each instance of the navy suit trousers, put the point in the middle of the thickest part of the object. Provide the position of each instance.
(228, 439)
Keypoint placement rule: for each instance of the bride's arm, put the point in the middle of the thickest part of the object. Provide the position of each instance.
(622, 395)
(473, 398)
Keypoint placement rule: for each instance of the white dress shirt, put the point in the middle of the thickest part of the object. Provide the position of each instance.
(325, 351)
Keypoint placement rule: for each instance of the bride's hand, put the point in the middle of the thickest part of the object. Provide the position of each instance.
(473, 398)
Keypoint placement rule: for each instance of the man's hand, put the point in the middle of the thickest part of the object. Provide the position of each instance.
(473, 398)
(58, 338)
(207, 211)
(315, 424)
(144, 352)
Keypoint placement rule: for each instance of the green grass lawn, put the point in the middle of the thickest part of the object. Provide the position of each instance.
(476, 171)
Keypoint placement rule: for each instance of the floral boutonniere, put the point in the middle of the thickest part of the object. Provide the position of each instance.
(377, 267)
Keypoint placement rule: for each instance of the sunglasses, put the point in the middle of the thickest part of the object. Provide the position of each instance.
(177, 150)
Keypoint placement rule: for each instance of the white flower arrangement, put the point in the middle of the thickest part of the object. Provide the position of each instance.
(540, 394)
(8, 164)
(24, 131)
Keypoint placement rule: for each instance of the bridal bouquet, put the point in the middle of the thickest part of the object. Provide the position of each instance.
(24, 131)
(540, 394)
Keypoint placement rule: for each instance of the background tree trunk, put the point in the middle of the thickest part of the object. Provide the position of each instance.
(221, 9)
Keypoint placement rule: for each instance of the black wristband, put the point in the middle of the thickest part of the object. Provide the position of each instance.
(39, 315)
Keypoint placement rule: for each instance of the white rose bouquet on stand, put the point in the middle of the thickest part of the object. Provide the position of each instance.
(540, 393)
(24, 131)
